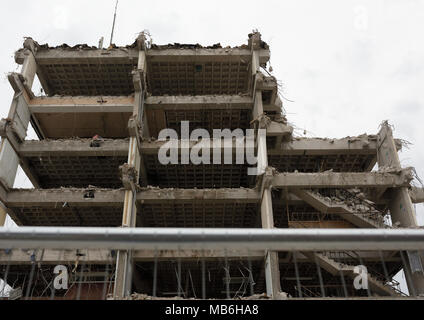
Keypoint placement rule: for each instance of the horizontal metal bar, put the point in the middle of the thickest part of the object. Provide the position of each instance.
(231, 239)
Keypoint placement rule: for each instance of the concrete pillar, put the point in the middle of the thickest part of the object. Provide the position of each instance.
(400, 205)
(9, 162)
(20, 116)
(272, 268)
(29, 69)
(124, 263)
(3, 215)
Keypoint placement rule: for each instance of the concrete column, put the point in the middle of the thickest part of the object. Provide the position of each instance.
(3, 215)
(272, 268)
(29, 68)
(20, 116)
(400, 205)
(9, 162)
(124, 263)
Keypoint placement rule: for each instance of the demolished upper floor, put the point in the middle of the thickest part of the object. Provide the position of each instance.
(173, 69)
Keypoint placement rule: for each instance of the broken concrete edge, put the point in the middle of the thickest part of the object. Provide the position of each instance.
(403, 178)
(365, 138)
(96, 196)
(417, 194)
(388, 177)
(20, 85)
(92, 196)
(407, 171)
(293, 144)
(34, 47)
(129, 176)
(59, 99)
(347, 144)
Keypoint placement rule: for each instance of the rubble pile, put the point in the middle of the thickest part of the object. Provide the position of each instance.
(355, 200)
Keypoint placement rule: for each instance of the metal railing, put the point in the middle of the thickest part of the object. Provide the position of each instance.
(234, 271)
(191, 238)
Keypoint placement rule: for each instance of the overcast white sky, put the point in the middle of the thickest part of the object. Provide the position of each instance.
(347, 65)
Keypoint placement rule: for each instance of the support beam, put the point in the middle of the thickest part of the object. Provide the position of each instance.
(82, 104)
(199, 102)
(364, 144)
(341, 180)
(400, 205)
(82, 147)
(72, 197)
(153, 147)
(204, 54)
(108, 197)
(236, 195)
(100, 257)
(131, 55)
(74, 148)
(61, 56)
(193, 255)
(317, 146)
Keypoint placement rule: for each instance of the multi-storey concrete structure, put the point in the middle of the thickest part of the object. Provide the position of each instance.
(96, 164)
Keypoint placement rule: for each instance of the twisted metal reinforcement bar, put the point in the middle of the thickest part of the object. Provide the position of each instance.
(204, 239)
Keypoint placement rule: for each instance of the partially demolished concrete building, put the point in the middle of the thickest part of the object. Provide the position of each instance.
(96, 164)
